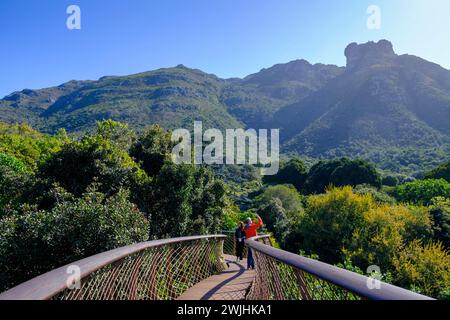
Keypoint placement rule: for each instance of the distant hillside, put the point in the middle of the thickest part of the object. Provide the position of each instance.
(392, 109)
(382, 105)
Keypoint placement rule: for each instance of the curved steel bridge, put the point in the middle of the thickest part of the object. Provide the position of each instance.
(202, 267)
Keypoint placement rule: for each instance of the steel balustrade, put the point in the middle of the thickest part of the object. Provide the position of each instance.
(282, 275)
(154, 270)
(164, 269)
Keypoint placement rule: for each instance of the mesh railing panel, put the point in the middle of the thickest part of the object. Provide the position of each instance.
(275, 280)
(157, 273)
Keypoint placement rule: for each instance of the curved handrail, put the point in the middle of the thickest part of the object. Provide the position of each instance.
(48, 285)
(342, 278)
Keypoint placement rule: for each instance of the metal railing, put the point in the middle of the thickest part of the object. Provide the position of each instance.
(282, 275)
(165, 269)
(154, 270)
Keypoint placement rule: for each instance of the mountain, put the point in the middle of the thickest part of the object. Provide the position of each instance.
(381, 103)
(392, 109)
(172, 97)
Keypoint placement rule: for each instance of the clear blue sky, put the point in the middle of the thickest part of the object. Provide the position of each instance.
(230, 38)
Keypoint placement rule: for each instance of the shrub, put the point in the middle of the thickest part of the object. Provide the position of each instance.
(441, 172)
(384, 231)
(33, 242)
(342, 172)
(293, 172)
(290, 199)
(424, 268)
(440, 213)
(380, 196)
(330, 221)
(422, 191)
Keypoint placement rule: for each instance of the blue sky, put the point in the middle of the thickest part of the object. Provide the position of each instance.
(230, 38)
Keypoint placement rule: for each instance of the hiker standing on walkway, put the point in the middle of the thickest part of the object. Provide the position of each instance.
(250, 232)
(240, 237)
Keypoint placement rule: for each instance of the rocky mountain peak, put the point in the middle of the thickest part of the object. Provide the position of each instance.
(369, 53)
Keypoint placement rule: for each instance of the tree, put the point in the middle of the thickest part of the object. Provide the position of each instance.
(276, 220)
(384, 231)
(422, 191)
(209, 203)
(118, 133)
(293, 172)
(152, 149)
(14, 178)
(330, 221)
(441, 172)
(34, 241)
(440, 214)
(341, 172)
(93, 159)
(424, 268)
(290, 200)
(390, 181)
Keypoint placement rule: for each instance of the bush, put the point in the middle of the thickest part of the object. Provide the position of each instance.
(33, 242)
(440, 213)
(384, 231)
(342, 172)
(294, 172)
(422, 191)
(330, 221)
(380, 196)
(390, 181)
(93, 159)
(290, 199)
(424, 268)
(441, 172)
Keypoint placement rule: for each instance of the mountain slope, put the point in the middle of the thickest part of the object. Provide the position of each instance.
(381, 101)
(392, 109)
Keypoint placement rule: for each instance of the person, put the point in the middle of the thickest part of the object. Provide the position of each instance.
(240, 237)
(250, 229)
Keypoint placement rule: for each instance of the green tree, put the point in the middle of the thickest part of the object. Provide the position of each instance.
(341, 172)
(152, 149)
(290, 199)
(424, 268)
(276, 220)
(441, 172)
(93, 159)
(422, 191)
(293, 172)
(330, 221)
(33, 242)
(117, 132)
(440, 214)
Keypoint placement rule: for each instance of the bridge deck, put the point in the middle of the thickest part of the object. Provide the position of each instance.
(231, 284)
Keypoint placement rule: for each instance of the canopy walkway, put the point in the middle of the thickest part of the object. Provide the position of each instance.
(202, 268)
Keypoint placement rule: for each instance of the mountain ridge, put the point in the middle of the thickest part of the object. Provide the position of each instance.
(379, 101)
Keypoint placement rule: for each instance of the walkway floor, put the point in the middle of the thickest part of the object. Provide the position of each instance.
(231, 284)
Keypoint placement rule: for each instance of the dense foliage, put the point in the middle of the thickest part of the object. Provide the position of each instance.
(422, 191)
(341, 172)
(63, 198)
(441, 172)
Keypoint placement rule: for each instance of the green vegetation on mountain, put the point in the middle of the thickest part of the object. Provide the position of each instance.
(387, 108)
(63, 198)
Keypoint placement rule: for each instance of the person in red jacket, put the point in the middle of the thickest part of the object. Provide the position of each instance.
(250, 229)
